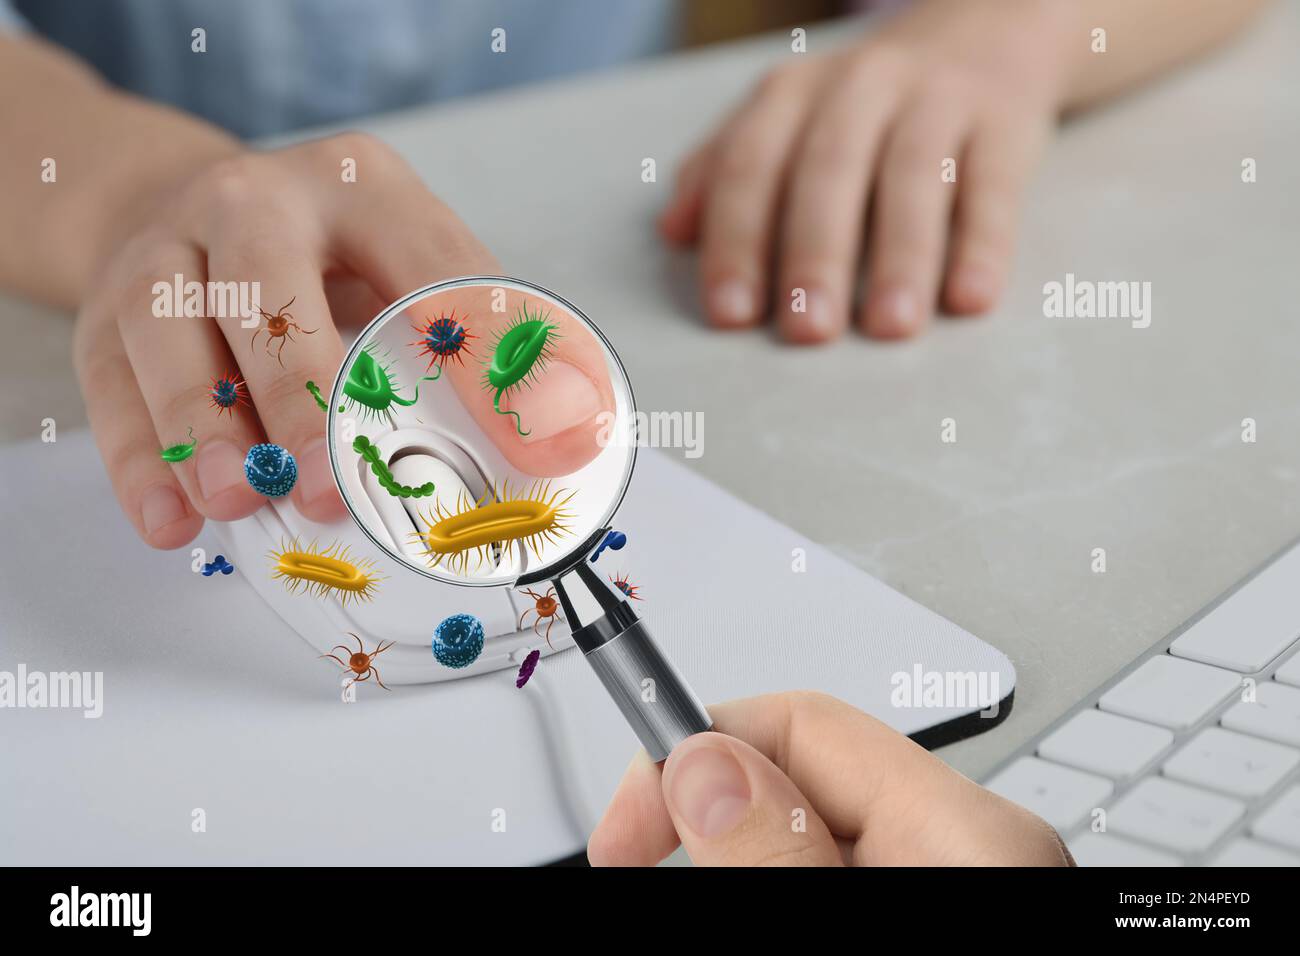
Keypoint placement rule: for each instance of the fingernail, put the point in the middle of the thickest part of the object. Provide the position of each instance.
(220, 466)
(160, 505)
(709, 790)
(895, 312)
(315, 478)
(973, 287)
(819, 316)
(732, 302)
(561, 398)
(816, 320)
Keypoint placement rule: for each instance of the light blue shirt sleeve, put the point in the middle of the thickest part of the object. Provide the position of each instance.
(10, 21)
(266, 66)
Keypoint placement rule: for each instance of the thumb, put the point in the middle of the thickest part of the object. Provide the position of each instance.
(731, 806)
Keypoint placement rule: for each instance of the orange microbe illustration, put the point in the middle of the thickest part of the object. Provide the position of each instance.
(546, 607)
(361, 664)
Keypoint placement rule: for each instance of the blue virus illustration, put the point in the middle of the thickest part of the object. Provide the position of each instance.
(219, 565)
(270, 470)
(615, 541)
(458, 641)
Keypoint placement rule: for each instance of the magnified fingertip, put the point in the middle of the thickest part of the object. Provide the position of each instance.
(565, 399)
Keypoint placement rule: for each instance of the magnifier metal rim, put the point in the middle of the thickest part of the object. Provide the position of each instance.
(336, 394)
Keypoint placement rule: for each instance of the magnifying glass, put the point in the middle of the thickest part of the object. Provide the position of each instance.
(482, 432)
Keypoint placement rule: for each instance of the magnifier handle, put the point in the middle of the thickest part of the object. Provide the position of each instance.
(654, 698)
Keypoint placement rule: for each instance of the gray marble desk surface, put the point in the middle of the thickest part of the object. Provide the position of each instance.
(1071, 434)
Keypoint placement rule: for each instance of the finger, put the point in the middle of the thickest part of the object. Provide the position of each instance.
(821, 234)
(733, 807)
(390, 231)
(294, 341)
(909, 228)
(147, 488)
(777, 725)
(176, 358)
(550, 421)
(636, 829)
(679, 222)
(740, 208)
(352, 302)
(900, 806)
(994, 168)
(551, 428)
(873, 787)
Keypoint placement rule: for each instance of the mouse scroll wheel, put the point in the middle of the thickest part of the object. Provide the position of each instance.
(448, 487)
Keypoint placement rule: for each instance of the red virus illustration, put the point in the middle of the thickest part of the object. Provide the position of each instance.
(626, 587)
(442, 339)
(226, 392)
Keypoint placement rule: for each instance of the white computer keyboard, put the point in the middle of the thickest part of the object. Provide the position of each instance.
(1191, 756)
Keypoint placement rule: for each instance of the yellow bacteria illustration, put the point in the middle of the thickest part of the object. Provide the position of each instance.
(329, 571)
(530, 517)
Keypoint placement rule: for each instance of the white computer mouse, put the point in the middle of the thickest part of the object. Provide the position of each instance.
(406, 607)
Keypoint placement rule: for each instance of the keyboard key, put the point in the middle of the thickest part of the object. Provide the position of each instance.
(1280, 822)
(1289, 672)
(1106, 849)
(1174, 815)
(1275, 714)
(1170, 692)
(1253, 853)
(1252, 626)
(1113, 746)
(1060, 795)
(1244, 766)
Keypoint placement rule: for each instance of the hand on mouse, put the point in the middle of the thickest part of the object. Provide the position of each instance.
(803, 779)
(777, 198)
(334, 252)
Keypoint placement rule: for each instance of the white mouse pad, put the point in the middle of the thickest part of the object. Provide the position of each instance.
(214, 711)
(744, 605)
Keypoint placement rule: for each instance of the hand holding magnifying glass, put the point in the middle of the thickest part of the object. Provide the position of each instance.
(454, 460)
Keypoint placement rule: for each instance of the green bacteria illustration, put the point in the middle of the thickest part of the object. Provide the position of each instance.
(371, 388)
(363, 447)
(315, 393)
(519, 354)
(180, 452)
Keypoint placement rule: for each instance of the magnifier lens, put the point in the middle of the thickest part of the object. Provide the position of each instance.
(482, 430)
(482, 433)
